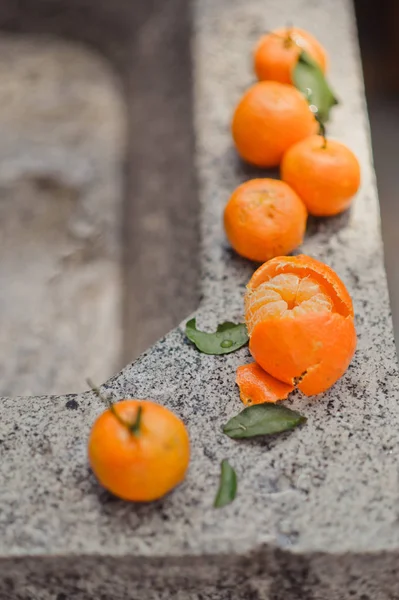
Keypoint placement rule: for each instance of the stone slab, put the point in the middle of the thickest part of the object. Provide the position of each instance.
(316, 515)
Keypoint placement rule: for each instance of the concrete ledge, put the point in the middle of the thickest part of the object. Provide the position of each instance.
(316, 517)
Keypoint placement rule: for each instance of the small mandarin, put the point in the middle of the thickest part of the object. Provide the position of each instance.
(268, 120)
(325, 174)
(276, 54)
(264, 218)
(139, 450)
(300, 322)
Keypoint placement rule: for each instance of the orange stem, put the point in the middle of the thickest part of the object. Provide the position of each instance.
(133, 428)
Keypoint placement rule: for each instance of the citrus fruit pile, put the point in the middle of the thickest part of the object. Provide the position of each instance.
(299, 317)
(298, 312)
(280, 121)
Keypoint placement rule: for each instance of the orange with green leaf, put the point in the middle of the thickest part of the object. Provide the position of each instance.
(277, 52)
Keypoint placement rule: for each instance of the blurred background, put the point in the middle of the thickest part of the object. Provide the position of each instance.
(99, 238)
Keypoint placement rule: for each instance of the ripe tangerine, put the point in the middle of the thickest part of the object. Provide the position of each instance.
(268, 120)
(276, 54)
(139, 450)
(264, 218)
(324, 173)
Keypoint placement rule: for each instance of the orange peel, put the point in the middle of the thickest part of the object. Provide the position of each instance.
(256, 386)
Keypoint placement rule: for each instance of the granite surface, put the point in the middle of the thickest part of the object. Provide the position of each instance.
(316, 515)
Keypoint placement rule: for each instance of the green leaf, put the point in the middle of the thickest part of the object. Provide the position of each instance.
(227, 486)
(262, 419)
(227, 338)
(309, 79)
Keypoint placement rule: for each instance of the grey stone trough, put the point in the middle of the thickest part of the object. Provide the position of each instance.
(316, 516)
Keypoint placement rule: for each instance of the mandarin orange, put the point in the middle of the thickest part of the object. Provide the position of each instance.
(268, 120)
(139, 456)
(276, 53)
(325, 174)
(300, 322)
(264, 218)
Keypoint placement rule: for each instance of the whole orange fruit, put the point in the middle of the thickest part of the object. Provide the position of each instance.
(276, 53)
(270, 118)
(325, 174)
(264, 218)
(139, 456)
(300, 322)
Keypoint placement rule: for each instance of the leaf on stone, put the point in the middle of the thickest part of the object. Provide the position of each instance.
(228, 337)
(262, 419)
(310, 80)
(227, 486)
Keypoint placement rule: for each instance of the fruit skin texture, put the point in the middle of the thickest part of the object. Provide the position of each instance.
(326, 178)
(256, 386)
(277, 53)
(139, 467)
(268, 120)
(264, 218)
(314, 345)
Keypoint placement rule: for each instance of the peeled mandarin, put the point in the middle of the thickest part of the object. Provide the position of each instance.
(300, 322)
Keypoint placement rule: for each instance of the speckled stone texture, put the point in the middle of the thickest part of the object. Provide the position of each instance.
(316, 517)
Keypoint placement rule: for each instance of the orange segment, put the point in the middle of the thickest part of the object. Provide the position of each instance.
(304, 267)
(285, 285)
(307, 289)
(318, 303)
(309, 332)
(257, 386)
(286, 295)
